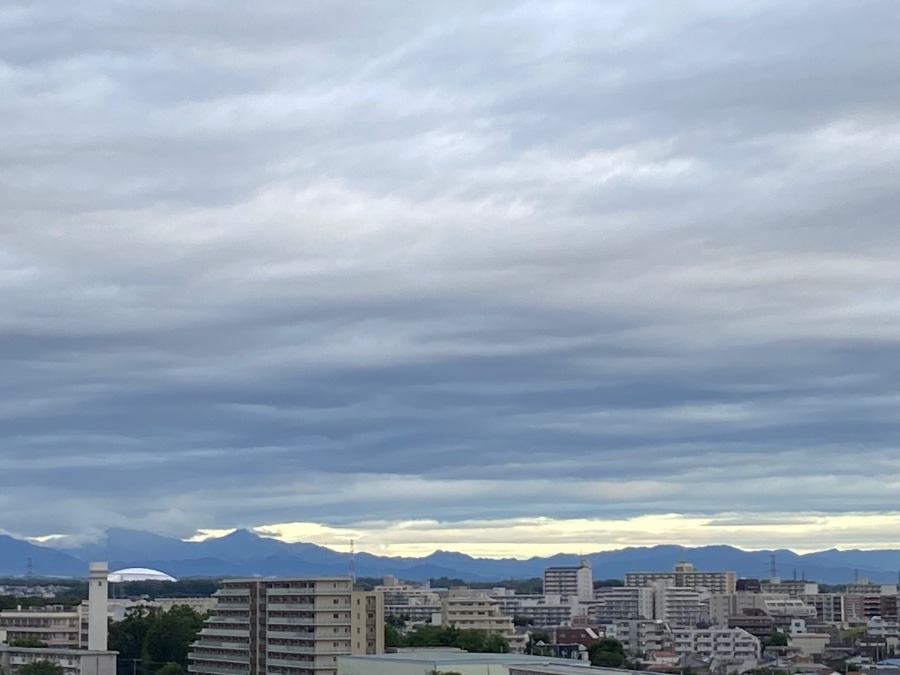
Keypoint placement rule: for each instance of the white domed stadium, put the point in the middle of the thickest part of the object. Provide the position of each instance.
(138, 574)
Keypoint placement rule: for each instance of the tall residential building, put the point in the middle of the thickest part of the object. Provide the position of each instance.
(678, 605)
(295, 626)
(570, 582)
(622, 602)
(686, 576)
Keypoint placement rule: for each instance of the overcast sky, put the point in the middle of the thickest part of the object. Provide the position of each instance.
(499, 277)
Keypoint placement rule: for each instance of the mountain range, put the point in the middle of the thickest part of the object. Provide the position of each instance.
(244, 553)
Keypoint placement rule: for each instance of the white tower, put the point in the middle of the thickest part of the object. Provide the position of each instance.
(98, 605)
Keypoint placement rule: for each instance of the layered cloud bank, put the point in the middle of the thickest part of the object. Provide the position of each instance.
(449, 264)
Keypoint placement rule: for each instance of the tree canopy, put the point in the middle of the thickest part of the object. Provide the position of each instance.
(607, 652)
(776, 639)
(470, 640)
(158, 640)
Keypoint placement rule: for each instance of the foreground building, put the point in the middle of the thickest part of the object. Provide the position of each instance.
(296, 626)
(424, 661)
(55, 628)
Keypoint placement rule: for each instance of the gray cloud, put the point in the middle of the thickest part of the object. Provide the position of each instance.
(334, 263)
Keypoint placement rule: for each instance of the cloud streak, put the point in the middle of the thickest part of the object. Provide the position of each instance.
(335, 264)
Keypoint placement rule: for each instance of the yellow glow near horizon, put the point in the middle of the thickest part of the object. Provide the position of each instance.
(525, 537)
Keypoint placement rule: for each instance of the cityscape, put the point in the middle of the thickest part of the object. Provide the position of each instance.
(566, 622)
(482, 337)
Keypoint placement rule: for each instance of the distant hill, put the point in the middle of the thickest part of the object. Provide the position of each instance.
(244, 553)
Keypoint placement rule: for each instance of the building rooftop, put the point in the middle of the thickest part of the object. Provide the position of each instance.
(449, 657)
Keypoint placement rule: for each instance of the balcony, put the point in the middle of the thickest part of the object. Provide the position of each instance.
(225, 632)
(205, 641)
(306, 621)
(222, 658)
(289, 649)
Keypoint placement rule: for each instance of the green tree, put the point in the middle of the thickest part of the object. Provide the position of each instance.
(129, 635)
(171, 668)
(42, 667)
(392, 637)
(170, 635)
(495, 644)
(396, 621)
(607, 652)
(776, 639)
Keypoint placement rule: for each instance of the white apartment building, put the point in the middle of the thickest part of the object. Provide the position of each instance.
(679, 606)
(625, 602)
(414, 602)
(295, 626)
(731, 644)
(539, 609)
(640, 636)
(684, 575)
(573, 583)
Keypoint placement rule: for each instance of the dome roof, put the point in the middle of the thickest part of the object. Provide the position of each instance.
(138, 574)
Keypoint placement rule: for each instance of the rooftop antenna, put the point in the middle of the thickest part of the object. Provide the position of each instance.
(856, 575)
(773, 569)
(29, 569)
(795, 574)
(352, 569)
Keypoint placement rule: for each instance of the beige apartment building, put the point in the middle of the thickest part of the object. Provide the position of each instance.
(295, 626)
(55, 625)
(466, 608)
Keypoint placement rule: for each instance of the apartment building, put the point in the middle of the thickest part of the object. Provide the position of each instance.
(858, 608)
(732, 644)
(463, 608)
(641, 636)
(295, 626)
(624, 602)
(59, 627)
(723, 606)
(793, 588)
(679, 606)
(570, 582)
(829, 606)
(538, 609)
(72, 661)
(55, 625)
(414, 602)
(685, 575)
